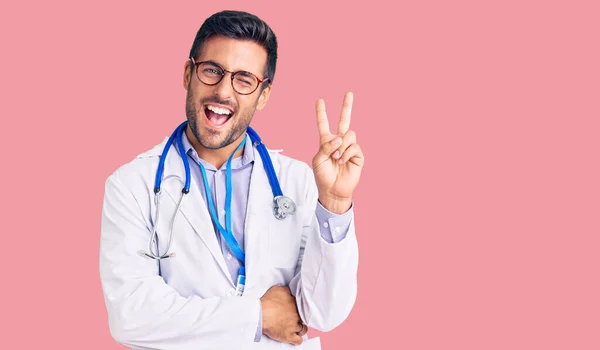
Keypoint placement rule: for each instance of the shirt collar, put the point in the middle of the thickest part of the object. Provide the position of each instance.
(246, 158)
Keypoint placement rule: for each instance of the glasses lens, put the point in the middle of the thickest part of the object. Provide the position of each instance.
(245, 82)
(208, 73)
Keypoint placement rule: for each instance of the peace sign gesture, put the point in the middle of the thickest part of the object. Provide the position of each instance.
(339, 161)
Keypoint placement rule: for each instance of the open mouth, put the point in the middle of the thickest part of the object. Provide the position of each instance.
(217, 116)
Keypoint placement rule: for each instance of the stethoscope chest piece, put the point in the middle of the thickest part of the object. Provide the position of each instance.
(283, 206)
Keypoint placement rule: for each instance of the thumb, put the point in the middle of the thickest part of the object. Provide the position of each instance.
(327, 149)
(296, 339)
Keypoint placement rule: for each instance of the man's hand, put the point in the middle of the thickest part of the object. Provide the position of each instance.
(339, 161)
(281, 320)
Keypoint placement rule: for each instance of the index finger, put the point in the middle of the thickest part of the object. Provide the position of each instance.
(322, 121)
(344, 124)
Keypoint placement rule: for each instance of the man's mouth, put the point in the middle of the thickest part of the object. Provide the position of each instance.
(217, 115)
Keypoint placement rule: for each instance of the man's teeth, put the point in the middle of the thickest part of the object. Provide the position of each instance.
(219, 110)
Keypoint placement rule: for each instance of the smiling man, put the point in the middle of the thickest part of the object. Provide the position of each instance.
(211, 241)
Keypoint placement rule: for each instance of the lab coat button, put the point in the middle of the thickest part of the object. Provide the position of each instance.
(230, 292)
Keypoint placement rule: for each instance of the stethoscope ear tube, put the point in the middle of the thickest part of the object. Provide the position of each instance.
(163, 156)
(264, 154)
(282, 205)
(186, 163)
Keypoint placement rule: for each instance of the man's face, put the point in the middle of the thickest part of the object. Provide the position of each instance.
(205, 104)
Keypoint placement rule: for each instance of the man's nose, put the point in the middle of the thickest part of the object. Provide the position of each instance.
(224, 88)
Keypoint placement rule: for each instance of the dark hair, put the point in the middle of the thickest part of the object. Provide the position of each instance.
(240, 25)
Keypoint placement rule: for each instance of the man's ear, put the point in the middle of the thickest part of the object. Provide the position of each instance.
(187, 68)
(264, 98)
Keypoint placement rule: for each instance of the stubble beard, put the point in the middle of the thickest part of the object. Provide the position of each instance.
(210, 138)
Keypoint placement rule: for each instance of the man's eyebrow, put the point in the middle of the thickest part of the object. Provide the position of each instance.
(219, 65)
(212, 62)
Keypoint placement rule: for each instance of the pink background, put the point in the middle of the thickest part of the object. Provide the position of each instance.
(478, 212)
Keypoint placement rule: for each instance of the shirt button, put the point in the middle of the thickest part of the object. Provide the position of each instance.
(223, 211)
(326, 225)
(229, 256)
(337, 229)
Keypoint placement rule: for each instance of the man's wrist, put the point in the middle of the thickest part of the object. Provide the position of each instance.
(335, 205)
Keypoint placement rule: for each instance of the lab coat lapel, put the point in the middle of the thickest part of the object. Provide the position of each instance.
(193, 207)
(260, 201)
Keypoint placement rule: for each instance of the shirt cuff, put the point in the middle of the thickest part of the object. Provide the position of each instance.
(333, 227)
(259, 328)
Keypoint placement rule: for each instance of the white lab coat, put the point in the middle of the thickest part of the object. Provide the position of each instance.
(185, 302)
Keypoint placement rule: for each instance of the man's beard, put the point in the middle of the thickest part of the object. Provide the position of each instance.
(238, 128)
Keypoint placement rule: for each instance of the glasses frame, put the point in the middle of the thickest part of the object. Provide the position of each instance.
(233, 74)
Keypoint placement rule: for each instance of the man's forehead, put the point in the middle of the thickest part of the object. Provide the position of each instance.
(234, 54)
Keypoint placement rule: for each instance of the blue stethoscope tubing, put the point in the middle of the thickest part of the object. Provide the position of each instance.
(282, 205)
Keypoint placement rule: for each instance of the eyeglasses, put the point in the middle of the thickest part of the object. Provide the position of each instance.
(210, 73)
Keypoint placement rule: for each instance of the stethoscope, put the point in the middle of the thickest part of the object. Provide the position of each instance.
(282, 205)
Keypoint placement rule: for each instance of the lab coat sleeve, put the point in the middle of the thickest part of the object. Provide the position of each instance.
(143, 311)
(325, 284)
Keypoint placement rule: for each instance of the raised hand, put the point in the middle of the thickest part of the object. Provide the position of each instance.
(339, 161)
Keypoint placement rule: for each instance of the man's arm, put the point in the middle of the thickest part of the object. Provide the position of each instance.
(143, 311)
(325, 285)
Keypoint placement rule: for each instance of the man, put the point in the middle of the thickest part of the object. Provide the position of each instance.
(299, 271)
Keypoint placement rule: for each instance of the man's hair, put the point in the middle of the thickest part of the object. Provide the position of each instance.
(243, 26)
